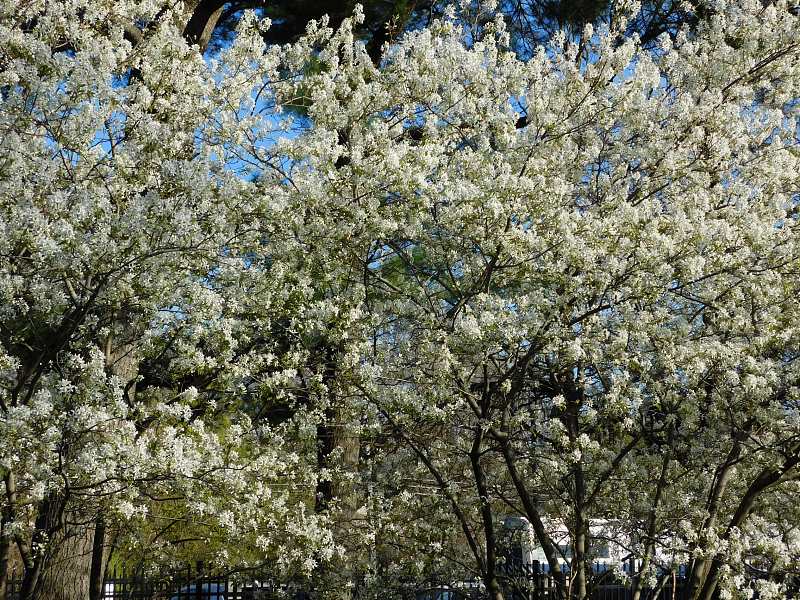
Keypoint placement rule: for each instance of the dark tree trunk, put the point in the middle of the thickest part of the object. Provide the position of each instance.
(580, 532)
(99, 558)
(490, 568)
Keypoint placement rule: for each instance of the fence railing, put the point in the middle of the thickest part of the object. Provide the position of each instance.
(187, 584)
(535, 582)
(520, 582)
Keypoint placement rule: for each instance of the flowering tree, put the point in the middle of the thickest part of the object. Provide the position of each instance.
(124, 365)
(601, 296)
(563, 288)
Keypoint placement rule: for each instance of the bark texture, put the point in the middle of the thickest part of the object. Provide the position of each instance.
(65, 576)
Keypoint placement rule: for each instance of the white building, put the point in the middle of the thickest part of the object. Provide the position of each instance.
(608, 547)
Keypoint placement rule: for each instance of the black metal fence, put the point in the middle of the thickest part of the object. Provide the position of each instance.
(520, 582)
(535, 582)
(188, 584)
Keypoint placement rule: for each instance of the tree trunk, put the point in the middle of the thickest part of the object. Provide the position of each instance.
(580, 547)
(57, 562)
(531, 506)
(5, 553)
(73, 568)
(580, 533)
(490, 567)
(348, 446)
(650, 547)
(765, 480)
(201, 20)
(699, 567)
(338, 448)
(100, 552)
(65, 575)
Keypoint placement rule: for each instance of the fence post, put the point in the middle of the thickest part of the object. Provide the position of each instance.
(199, 578)
(534, 581)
